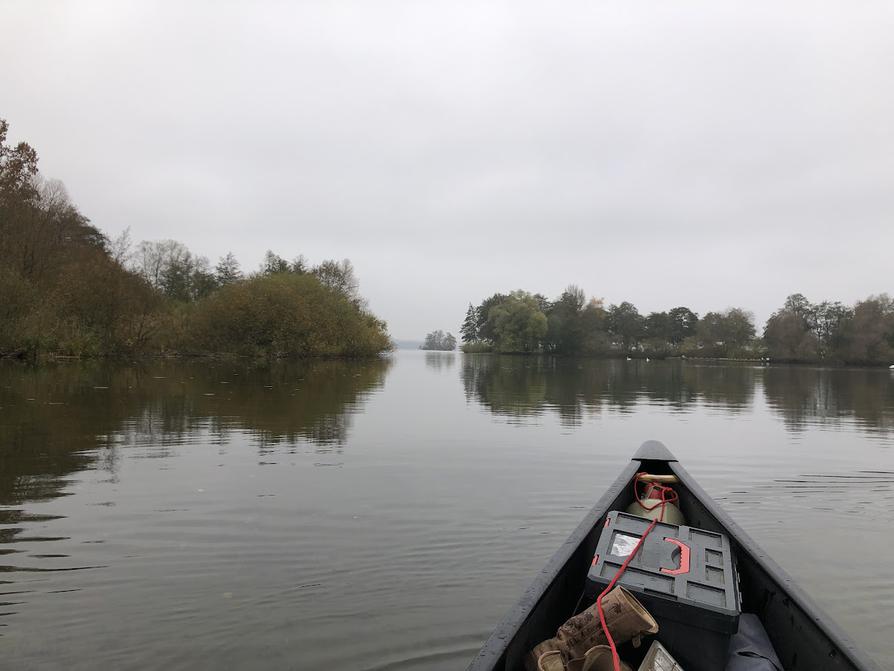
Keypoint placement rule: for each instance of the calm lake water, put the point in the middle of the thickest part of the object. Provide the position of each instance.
(384, 515)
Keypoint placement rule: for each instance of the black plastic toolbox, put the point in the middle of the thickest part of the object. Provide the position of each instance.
(685, 577)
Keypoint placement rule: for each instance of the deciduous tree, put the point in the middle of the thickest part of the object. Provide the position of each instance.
(626, 324)
(519, 324)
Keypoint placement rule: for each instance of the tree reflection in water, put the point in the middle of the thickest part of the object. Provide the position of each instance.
(809, 395)
(524, 386)
(60, 419)
(440, 360)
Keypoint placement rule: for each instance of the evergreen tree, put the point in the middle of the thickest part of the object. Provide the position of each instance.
(469, 329)
(227, 270)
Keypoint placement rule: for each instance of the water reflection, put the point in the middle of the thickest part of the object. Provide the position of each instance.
(61, 419)
(163, 476)
(804, 396)
(440, 360)
(66, 430)
(525, 386)
(519, 387)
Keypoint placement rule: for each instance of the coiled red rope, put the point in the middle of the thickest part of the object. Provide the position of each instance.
(664, 495)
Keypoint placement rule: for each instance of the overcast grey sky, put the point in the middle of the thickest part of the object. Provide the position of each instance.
(709, 153)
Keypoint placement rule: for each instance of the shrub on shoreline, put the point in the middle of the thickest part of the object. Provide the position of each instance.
(283, 315)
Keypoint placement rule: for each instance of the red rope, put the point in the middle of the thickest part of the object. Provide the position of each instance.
(664, 495)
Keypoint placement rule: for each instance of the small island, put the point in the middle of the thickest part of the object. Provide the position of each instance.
(439, 341)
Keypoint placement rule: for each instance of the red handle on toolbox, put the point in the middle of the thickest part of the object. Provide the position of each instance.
(684, 558)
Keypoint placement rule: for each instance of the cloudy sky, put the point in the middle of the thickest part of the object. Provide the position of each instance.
(709, 153)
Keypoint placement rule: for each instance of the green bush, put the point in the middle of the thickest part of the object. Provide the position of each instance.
(283, 315)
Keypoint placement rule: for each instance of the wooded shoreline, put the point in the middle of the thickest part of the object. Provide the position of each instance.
(799, 332)
(67, 290)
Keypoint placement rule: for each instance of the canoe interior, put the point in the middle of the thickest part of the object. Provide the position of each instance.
(803, 636)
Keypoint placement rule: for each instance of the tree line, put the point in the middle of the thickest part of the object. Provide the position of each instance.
(830, 331)
(67, 289)
(572, 324)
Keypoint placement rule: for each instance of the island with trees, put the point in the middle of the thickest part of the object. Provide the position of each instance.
(67, 290)
(800, 331)
(439, 341)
